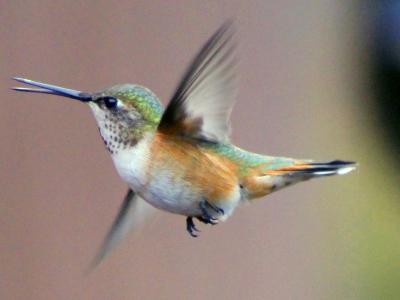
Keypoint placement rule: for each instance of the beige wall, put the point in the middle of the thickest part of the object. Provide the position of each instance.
(59, 191)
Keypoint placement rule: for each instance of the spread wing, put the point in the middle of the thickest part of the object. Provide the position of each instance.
(131, 214)
(202, 103)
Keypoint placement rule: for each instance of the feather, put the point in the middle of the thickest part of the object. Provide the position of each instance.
(201, 105)
(131, 214)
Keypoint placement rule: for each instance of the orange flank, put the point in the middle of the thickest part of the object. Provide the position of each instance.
(296, 167)
(257, 184)
(215, 176)
(208, 173)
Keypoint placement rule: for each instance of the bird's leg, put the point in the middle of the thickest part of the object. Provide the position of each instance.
(190, 227)
(215, 208)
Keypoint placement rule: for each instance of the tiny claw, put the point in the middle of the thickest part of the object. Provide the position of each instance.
(193, 235)
(191, 227)
(211, 221)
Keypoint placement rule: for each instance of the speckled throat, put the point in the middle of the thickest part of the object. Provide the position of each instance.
(122, 130)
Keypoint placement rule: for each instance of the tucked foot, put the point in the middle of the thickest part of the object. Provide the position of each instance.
(206, 217)
(190, 227)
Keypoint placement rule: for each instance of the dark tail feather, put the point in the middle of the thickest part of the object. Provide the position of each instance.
(312, 169)
(335, 167)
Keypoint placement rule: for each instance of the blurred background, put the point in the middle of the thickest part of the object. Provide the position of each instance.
(319, 79)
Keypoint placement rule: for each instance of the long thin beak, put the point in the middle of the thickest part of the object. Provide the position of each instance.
(45, 88)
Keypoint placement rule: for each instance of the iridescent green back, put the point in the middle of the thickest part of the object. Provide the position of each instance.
(247, 160)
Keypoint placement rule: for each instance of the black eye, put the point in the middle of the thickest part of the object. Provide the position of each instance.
(110, 102)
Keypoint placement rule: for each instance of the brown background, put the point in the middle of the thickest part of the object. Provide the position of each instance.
(300, 95)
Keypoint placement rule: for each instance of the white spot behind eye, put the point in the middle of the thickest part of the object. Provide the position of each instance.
(120, 104)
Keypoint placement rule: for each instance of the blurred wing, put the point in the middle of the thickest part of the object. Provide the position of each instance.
(133, 212)
(202, 103)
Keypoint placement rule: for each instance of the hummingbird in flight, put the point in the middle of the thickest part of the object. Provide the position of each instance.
(180, 159)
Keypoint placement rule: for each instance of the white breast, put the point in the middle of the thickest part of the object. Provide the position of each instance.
(132, 163)
(168, 193)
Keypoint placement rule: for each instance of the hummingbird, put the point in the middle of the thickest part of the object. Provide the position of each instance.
(180, 159)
